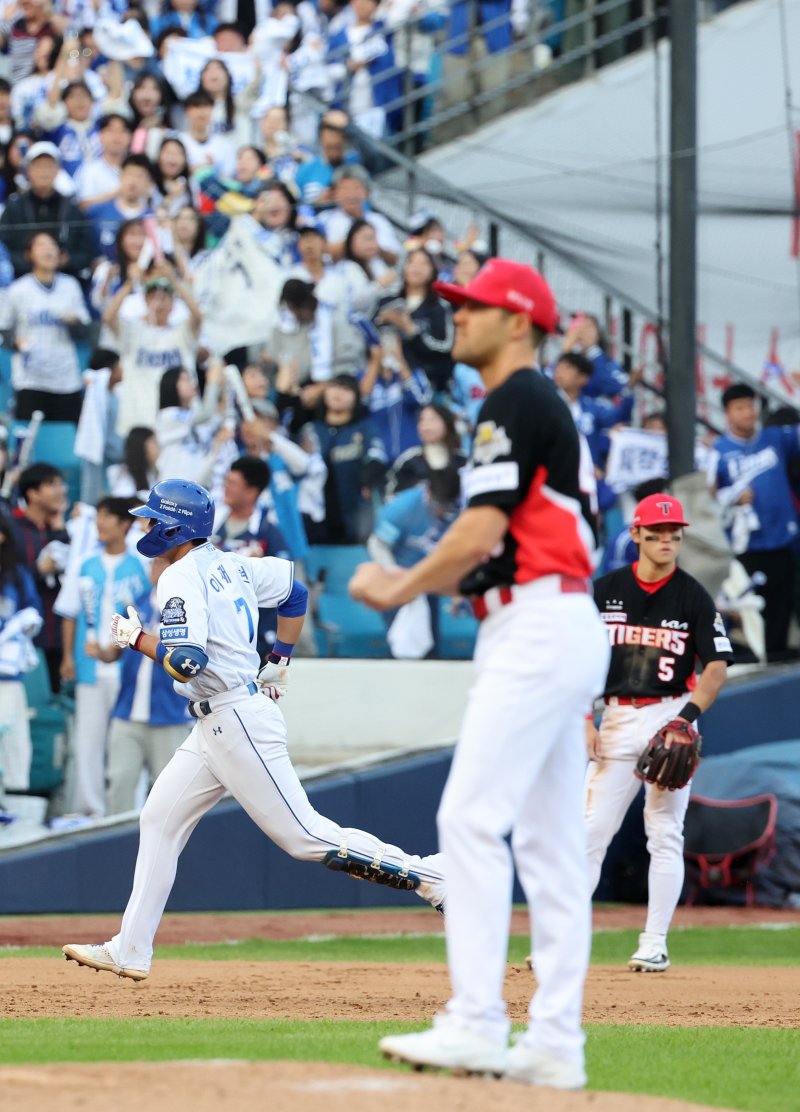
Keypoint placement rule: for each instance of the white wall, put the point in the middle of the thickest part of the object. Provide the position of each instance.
(341, 710)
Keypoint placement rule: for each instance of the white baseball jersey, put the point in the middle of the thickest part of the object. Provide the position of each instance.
(47, 359)
(211, 599)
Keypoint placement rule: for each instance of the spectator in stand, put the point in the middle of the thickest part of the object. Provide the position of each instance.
(29, 92)
(314, 265)
(151, 115)
(44, 315)
(97, 181)
(42, 544)
(109, 582)
(19, 37)
(422, 321)
(203, 146)
(476, 58)
(748, 471)
(303, 339)
(149, 720)
(136, 474)
(593, 416)
(621, 550)
(394, 394)
(69, 123)
(413, 24)
(439, 447)
(361, 63)
(282, 150)
(346, 438)
(150, 343)
(585, 336)
(314, 178)
(12, 170)
(171, 174)
(108, 276)
(131, 201)
(43, 208)
(366, 276)
(275, 210)
(188, 242)
(407, 529)
(231, 114)
(221, 198)
(468, 264)
(20, 620)
(188, 16)
(6, 119)
(351, 194)
(243, 525)
(189, 430)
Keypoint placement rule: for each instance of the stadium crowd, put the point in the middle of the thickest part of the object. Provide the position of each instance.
(194, 283)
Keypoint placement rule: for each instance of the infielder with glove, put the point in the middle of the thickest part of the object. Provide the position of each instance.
(209, 603)
(659, 621)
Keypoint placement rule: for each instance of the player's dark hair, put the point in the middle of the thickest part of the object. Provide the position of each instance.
(735, 392)
(34, 476)
(168, 388)
(254, 471)
(119, 507)
(135, 458)
(577, 360)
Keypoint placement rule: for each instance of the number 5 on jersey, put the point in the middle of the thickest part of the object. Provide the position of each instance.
(666, 668)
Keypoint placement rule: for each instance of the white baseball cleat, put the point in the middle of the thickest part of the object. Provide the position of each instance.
(447, 1046)
(650, 957)
(531, 1066)
(99, 957)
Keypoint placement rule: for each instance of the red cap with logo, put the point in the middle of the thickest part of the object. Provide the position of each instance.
(505, 284)
(659, 509)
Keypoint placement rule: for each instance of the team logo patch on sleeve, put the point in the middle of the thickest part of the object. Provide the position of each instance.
(490, 442)
(174, 612)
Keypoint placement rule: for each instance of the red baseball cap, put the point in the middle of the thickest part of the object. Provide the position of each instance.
(659, 509)
(505, 284)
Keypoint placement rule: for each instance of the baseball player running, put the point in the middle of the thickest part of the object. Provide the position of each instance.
(520, 551)
(209, 603)
(659, 621)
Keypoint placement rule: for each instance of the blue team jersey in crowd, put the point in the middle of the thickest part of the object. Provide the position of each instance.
(129, 582)
(760, 463)
(409, 526)
(147, 693)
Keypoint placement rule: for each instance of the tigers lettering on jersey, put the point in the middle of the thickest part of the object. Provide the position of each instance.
(670, 640)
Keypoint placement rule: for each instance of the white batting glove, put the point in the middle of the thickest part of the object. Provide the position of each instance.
(273, 679)
(126, 632)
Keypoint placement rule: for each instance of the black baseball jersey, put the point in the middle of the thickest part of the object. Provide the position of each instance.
(525, 457)
(657, 636)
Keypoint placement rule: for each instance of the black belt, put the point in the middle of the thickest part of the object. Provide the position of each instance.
(204, 707)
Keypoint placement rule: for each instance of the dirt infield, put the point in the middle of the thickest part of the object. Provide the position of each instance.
(289, 1087)
(52, 987)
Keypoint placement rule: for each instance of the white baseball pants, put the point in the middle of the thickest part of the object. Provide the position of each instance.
(611, 787)
(94, 703)
(240, 748)
(519, 767)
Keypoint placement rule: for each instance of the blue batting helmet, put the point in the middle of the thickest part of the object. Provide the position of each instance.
(183, 511)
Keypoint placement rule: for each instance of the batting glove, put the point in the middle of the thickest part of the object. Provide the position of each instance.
(273, 679)
(126, 632)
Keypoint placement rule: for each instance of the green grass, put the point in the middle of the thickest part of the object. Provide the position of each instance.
(756, 1070)
(694, 946)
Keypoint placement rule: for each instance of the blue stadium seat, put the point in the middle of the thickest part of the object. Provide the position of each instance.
(334, 564)
(346, 628)
(457, 633)
(55, 444)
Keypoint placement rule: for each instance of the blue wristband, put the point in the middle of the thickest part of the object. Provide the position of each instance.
(282, 648)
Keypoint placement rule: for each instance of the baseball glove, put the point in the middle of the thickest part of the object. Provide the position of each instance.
(670, 768)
